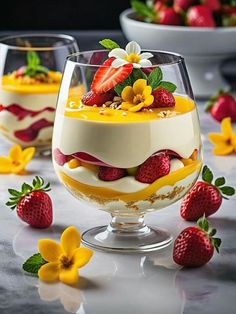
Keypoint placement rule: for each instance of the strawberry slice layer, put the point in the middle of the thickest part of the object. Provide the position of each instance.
(108, 77)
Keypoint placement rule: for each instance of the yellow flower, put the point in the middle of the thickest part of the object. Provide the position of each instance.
(224, 142)
(137, 97)
(63, 259)
(17, 159)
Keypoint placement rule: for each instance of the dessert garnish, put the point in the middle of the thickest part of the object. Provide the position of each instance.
(17, 160)
(59, 261)
(205, 197)
(32, 203)
(127, 80)
(224, 142)
(33, 72)
(194, 246)
(222, 105)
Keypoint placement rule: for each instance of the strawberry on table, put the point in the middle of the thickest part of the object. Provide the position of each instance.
(221, 106)
(194, 246)
(153, 168)
(107, 77)
(200, 16)
(163, 98)
(33, 204)
(204, 198)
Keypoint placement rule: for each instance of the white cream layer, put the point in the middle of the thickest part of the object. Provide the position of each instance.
(126, 185)
(126, 145)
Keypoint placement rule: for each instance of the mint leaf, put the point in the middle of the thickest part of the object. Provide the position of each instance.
(33, 264)
(155, 78)
(142, 9)
(109, 44)
(42, 69)
(220, 181)
(207, 174)
(138, 74)
(32, 59)
(227, 190)
(168, 85)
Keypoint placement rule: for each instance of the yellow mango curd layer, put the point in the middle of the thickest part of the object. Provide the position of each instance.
(104, 193)
(15, 86)
(74, 109)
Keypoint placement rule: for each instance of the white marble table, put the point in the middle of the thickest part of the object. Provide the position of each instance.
(113, 283)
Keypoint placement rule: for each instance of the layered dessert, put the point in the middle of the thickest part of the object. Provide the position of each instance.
(27, 103)
(130, 143)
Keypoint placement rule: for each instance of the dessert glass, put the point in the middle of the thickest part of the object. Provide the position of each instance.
(86, 138)
(30, 74)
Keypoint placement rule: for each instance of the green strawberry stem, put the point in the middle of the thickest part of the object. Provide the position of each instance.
(37, 185)
(219, 183)
(203, 224)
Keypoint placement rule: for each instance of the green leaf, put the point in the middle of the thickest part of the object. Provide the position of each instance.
(168, 85)
(207, 174)
(220, 181)
(42, 69)
(32, 59)
(33, 264)
(155, 78)
(138, 74)
(109, 44)
(14, 192)
(227, 190)
(212, 232)
(203, 223)
(216, 242)
(26, 188)
(142, 9)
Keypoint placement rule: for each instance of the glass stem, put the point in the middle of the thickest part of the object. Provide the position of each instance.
(121, 224)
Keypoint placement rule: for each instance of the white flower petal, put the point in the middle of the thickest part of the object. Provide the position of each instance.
(117, 53)
(133, 47)
(118, 63)
(146, 55)
(137, 65)
(145, 63)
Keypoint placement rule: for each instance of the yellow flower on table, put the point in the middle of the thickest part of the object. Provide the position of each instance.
(224, 142)
(63, 259)
(137, 96)
(17, 159)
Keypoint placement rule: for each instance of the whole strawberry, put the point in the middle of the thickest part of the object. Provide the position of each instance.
(200, 16)
(163, 98)
(204, 198)
(221, 106)
(33, 205)
(194, 246)
(183, 5)
(168, 16)
(214, 5)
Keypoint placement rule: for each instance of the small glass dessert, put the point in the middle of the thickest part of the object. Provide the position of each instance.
(31, 72)
(127, 139)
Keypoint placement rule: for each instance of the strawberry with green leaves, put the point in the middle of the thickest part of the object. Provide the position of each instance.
(33, 204)
(194, 246)
(205, 197)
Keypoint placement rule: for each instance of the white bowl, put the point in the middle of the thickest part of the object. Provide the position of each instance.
(204, 49)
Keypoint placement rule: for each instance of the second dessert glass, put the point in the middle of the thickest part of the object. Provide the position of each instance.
(125, 159)
(31, 68)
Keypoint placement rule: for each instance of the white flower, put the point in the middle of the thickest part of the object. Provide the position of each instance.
(131, 54)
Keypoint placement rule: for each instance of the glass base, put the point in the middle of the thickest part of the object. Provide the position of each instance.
(128, 237)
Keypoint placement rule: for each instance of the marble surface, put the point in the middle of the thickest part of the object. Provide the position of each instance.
(114, 283)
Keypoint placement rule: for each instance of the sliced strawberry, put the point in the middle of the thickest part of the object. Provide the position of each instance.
(91, 98)
(111, 173)
(85, 157)
(60, 158)
(163, 98)
(153, 168)
(108, 77)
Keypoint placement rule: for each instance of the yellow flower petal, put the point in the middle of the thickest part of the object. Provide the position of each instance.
(126, 105)
(148, 101)
(18, 169)
(69, 276)
(137, 107)
(15, 153)
(70, 240)
(82, 256)
(49, 272)
(50, 250)
(127, 94)
(28, 153)
(223, 149)
(139, 86)
(5, 165)
(147, 91)
(226, 127)
(216, 138)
